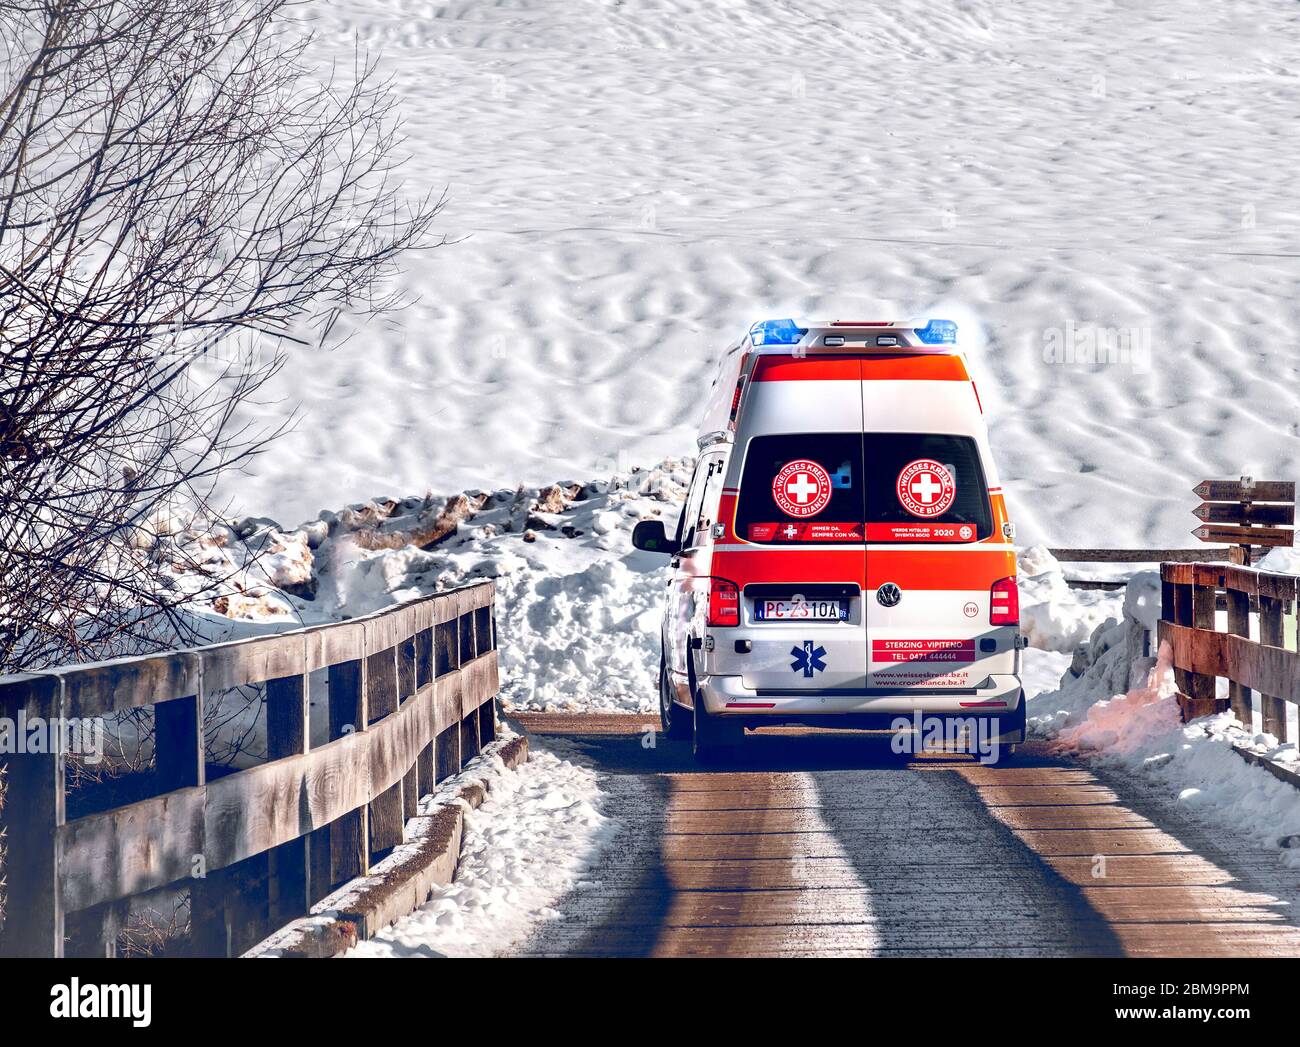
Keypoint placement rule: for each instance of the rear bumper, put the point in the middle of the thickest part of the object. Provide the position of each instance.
(726, 696)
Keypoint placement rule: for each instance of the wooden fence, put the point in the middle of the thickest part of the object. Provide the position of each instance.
(1190, 593)
(410, 697)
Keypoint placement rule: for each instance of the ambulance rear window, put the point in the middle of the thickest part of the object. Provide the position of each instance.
(802, 487)
(925, 487)
(833, 488)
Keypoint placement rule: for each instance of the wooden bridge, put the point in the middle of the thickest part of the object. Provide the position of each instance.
(410, 697)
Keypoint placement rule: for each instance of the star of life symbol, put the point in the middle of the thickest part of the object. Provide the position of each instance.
(808, 659)
(926, 488)
(801, 488)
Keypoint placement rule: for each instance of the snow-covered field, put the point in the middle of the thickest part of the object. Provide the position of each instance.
(638, 180)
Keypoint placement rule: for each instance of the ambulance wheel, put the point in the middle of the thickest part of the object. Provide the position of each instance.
(714, 742)
(674, 719)
(1013, 726)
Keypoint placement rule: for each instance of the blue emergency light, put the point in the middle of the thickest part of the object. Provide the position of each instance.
(938, 332)
(776, 332)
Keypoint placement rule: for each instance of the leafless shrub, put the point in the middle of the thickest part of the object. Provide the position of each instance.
(179, 195)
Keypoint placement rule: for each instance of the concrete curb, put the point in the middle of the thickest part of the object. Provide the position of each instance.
(394, 887)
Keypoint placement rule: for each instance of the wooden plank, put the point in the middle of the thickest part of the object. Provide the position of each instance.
(128, 683)
(1279, 514)
(1239, 491)
(393, 744)
(265, 806)
(1269, 536)
(480, 682)
(327, 645)
(33, 814)
(1136, 555)
(447, 701)
(240, 662)
(1272, 670)
(133, 849)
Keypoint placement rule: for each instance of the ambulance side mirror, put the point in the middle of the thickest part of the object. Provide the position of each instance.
(651, 536)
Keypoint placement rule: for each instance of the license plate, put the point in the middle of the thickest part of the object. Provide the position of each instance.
(801, 610)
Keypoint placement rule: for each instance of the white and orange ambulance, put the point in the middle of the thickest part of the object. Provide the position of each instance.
(844, 556)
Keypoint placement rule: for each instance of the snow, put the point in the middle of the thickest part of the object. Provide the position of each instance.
(1192, 767)
(534, 840)
(634, 183)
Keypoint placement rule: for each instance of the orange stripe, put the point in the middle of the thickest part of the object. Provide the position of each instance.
(918, 368)
(936, 569)
(874, 367)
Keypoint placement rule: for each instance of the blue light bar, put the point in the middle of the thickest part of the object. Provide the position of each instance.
(776, 332)
(938, 332)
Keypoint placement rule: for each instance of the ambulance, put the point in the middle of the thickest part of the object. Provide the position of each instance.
(844, 556)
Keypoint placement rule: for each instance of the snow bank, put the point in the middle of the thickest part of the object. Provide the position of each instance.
(533, 840)
(1140, 734)
(1053, 616)
(1115, 705)
(578, 609)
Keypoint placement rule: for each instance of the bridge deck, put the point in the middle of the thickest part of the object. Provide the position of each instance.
(822, 843)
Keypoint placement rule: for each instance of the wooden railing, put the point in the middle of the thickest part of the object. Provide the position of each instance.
(1190, 593)
(410, 697)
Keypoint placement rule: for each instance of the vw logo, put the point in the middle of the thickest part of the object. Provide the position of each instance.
(888, 595)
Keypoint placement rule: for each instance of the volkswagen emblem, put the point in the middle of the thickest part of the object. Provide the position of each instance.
(888, 595)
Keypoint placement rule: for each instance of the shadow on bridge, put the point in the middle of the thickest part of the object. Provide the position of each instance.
(828, 843)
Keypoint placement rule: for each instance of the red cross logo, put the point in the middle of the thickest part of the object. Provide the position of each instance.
(801, 488)
(926, 488)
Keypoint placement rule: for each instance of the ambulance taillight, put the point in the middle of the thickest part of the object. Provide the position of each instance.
(724, 603)
(1004, 603)
(735, 403)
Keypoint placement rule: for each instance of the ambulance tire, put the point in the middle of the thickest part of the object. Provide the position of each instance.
(715, 742)
(1015, 726)
(674, 719)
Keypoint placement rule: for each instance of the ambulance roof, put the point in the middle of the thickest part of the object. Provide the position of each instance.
(919, 336)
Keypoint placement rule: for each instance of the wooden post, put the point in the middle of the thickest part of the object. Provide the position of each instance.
(411, 792)
(349, 835)
(1201, 688)
(487, 722)
(386, 821)
(427, 770)
(288, 723)
(423, 657)
(1239, 625)
(406, 669)
(448, 750)
(1181, 593)
(469, 742)
(465, 629)
(34, 813)
(1272, 709)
